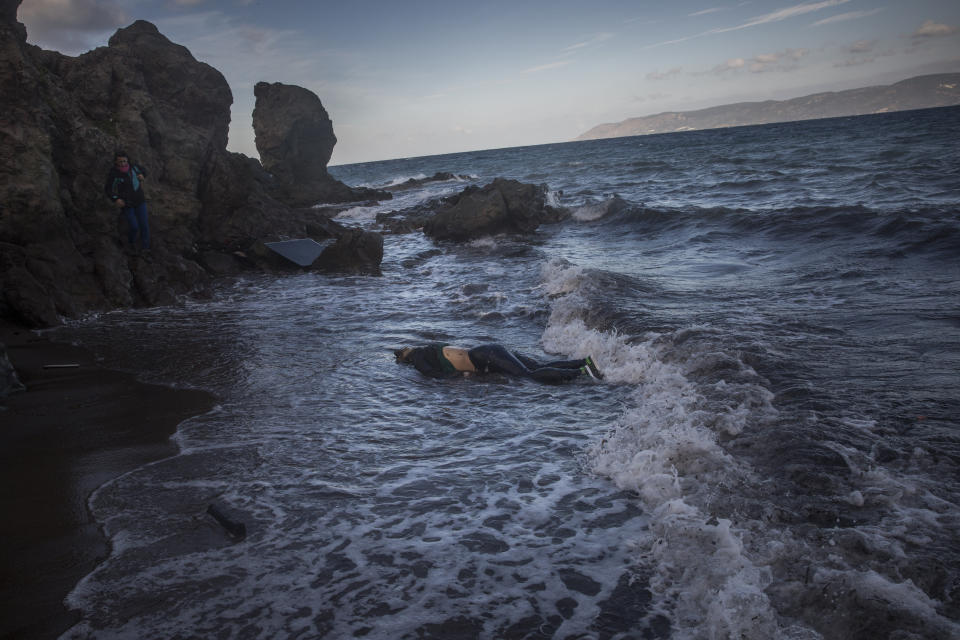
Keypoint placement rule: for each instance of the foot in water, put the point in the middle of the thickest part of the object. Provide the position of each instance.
(590, 368)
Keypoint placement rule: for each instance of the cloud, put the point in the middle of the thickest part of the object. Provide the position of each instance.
(730, 65)
(545, 67)
(658, 75)
(761, 63)
(569, 52)
(767, 18)
(783, 14)
(843, 17)
(862, 46)
(863, 52)
(780, 61)
(931, 29)
(600, 37)
(706, 12)
(71, 26)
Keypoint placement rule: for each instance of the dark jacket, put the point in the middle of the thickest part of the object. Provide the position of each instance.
(121, 185)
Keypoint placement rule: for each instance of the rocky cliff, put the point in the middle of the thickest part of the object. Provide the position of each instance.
(61, 118)
(922, 92)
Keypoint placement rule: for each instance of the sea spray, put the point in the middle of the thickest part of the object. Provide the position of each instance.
(664, 447)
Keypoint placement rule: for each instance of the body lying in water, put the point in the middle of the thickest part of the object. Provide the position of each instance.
(444, 361)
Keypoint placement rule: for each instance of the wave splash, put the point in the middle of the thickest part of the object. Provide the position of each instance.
(721, 559)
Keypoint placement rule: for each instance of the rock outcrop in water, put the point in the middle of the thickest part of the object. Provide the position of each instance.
(61, 118)
(295, 139)
(503, 206)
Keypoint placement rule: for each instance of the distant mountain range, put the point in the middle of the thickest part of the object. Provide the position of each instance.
(921, 92)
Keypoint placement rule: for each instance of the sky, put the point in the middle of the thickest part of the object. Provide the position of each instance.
(417, 78)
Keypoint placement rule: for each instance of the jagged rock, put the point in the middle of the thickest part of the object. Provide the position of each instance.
(295, 139)
(412, 218)
(62, 247)
(361, 249)
(503, 206)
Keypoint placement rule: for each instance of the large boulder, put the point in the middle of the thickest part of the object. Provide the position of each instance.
(503, 206)
(294, 134)
(62, 250)
(294, 137)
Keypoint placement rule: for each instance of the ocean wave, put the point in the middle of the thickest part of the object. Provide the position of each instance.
(747, 504)
(665, 448)
(930, 229)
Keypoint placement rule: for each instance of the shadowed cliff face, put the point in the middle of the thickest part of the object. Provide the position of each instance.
(61, 119)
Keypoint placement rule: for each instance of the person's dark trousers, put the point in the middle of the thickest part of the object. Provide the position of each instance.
(137, 224)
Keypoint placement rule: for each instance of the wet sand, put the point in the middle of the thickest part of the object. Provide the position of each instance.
(73, 429)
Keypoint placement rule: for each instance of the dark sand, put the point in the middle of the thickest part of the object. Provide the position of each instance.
(72, 430)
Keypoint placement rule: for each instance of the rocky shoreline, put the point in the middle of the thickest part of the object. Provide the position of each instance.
(62, 251)
(62, 247)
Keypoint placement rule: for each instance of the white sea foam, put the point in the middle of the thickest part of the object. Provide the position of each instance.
(398, 180)
(592, 211)
(712, 575)
(360, 213)
(664, 447)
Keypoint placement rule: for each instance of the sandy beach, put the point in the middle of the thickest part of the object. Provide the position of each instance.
(74, 428)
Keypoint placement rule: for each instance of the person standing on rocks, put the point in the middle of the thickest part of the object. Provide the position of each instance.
(125, 188)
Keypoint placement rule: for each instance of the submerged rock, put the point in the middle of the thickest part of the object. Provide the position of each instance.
(440, 176)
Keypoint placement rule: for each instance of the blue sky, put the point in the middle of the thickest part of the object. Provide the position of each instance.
(403, 79)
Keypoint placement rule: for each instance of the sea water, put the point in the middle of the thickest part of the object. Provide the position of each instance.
(774, 452)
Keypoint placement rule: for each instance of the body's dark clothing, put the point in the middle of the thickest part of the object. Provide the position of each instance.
(125, 185)
(494, 358)
(429, 361)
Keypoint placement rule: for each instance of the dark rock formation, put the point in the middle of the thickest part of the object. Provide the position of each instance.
(294, 137)
(61, 118)
(9, 383)
(503, 206)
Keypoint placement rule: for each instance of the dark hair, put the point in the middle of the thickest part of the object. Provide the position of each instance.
(120, 153)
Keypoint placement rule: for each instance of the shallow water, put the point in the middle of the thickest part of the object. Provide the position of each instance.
(773, 453)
